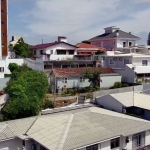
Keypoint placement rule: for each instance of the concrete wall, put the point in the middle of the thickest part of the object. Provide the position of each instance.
(108, 81)
(137, 61)
(129, 74)
(13, 144)
(110, 103)
(120, 42)
(3, 83)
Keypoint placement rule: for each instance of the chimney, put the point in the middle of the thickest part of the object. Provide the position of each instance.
(62, 39)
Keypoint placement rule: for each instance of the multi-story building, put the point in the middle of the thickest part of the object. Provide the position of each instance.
(114, 39)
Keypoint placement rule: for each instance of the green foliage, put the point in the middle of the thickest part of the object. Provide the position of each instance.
(26, 89)
(47, 104)
(13, 66)
(22, 49)
(117, 85)
(93, 76)
(99, 52)
(86, 42)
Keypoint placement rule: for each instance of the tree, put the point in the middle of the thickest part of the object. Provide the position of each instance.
(13, 66)
(27, 89)
(93, 76)
(99, 52)
(22, 49)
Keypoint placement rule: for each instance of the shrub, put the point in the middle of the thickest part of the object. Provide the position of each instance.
(125, 85)
(97, 88)
(47, 104)
(117, 85)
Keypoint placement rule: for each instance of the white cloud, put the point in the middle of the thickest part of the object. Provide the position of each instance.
(83, 19)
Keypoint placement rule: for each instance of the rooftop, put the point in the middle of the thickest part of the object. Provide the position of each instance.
(73, 130)
(121, 34)
(69, 72)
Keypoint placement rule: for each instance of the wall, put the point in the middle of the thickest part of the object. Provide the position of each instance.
(129, 74)
(108, 81)
(137, 61)
(54, 56)
(72, 82)
(108, 102)
(13, 144)
(120, 42)
(3, 83)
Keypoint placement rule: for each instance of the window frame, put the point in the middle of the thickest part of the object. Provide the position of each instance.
(143, 63)
(110, 61)
(92, 147)
(64, 80)
(116, 144)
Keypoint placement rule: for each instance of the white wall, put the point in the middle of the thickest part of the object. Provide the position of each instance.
(109, 80)
(120, 42)
(137, 61)
(105, 145)
(129, 74)
(108, 102)
(54, 56)
(13, 144)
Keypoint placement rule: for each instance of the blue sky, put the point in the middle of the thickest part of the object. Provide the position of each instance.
(78, 20)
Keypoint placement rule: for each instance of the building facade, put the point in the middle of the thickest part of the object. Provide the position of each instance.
(114, 39)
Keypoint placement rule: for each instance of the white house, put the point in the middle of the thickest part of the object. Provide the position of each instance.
(85, 129)
(59, 50)
(134, 67)
(127, 102)
(114, 38)
(73, 78)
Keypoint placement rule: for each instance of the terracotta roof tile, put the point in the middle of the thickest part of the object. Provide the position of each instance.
(89, 46)
(69, 72)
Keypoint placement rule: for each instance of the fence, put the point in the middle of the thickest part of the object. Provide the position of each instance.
(137, 88)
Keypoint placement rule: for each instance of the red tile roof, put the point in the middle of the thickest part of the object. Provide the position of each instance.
(39, 46)
(89, 46)
(69, 72)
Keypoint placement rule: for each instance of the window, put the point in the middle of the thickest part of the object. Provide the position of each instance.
(34, 52)
(124, 44)
(138, 140)
(23, 142)
(115, 143)
(61, 52)
(64, 80)
(41, 51)
(82, 79)
(1, 69)
(51, 51)
(93, 147)
(130, 43)
(111, 61)
(126, 61)
(144, 63)
(71, 52)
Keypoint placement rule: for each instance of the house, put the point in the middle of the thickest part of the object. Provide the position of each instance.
(14, 40)
(114, 38)
(133, 66)
(127, 102)
(58, 50)
(86, 51)
(83, 129)
(67, 78)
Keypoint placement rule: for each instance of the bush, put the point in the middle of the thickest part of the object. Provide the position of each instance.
(97, 88)
(125, 85)
(47, 104)
(117, 85)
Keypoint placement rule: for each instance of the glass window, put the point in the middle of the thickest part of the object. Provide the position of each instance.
(130, 43)
(61, 52)
(111, 61)
(41, 52)
(138, 140)
(126, 61)
(124, 44)
(144, 62)
(82, 79)
(71, 52)
(64, 80)
(93, 147)
(115, 143)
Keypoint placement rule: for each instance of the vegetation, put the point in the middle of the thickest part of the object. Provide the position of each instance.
(86, 42)
(93, 76)
(46, 103)
(22, 49)
(119, 85)
(26, 89)
(99, 52)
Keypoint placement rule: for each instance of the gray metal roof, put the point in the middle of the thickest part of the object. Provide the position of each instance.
(121, 34)
(70, 131)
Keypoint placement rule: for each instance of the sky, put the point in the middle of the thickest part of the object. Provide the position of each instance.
(78, 20)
